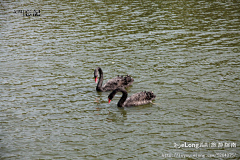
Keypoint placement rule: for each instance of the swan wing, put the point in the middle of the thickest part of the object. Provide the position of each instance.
(112, 84)
(139, 99)
(118, 82)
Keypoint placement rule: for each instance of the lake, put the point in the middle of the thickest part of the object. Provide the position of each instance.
(187, 53)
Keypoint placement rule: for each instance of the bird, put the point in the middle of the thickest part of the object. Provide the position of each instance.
(119, 81)
(136, 99)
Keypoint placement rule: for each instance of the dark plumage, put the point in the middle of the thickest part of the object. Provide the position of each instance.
(135, 100)
(112, 83)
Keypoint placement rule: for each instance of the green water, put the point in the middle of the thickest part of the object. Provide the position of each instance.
(187, 53)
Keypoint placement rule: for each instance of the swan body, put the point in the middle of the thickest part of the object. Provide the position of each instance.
(136, 99)
(111, 84)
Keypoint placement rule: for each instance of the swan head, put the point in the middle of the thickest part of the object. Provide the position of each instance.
(96, 75)
(111, 95)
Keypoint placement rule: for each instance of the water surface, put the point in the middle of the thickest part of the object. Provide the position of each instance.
(187, 53)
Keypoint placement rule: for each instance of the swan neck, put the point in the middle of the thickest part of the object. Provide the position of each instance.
(100, 81)
(123, 98)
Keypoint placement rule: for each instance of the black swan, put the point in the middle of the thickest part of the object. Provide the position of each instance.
(112, 83)
(135, 100)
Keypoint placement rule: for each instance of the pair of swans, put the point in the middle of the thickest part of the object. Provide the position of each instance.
(118, 84)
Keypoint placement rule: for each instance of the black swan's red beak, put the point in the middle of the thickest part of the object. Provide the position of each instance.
(96, 80)
(109, 100)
